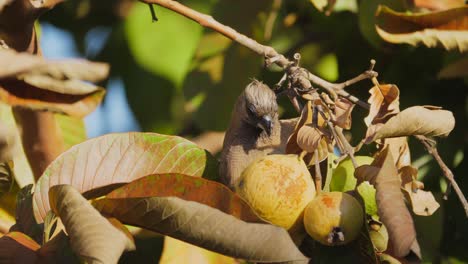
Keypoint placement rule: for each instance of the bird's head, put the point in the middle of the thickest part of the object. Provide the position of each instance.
(259, 106)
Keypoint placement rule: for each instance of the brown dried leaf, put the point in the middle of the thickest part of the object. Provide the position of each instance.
(416, 120)
(443, 28)
(384, 101)
(56, 76)
(306, 118)
(206, 227)
(308, 138)
(422, 202)
(343, 109)
(438, 4)
(400, 150)
(92, 236)
(390, 202)
(39, 84)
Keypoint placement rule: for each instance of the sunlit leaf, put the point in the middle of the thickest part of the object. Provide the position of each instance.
(188, 188)
(206, 227)
(383, 174)
(117, 159)
(60, 76)
(19, 93)
(308, 138)
(34, 82)
(416, 120)
(343, 110)
(399, 148)
(447, 28)
(384, 101)
(438, 4)
(422, 202)
(72, 128)
(90, 233)
(367, 193)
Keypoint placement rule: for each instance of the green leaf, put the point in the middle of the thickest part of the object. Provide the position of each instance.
(367, 193)
(109, 161)
(343, 179)
(164, 48)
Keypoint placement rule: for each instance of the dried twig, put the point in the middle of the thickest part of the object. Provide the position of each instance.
(270, 54)
(431, 149)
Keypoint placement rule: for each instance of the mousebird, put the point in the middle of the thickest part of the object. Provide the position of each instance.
(254, 131)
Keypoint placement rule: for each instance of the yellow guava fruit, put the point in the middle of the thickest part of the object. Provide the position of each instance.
(278, 187)
(333, 218)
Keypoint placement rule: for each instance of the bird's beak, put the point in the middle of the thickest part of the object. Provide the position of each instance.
(266, 123)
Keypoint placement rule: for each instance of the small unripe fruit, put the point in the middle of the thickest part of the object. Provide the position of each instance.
(333, 218)
(379, 237)
(278, 188)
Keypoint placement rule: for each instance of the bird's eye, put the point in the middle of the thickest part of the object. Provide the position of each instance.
(251, 110)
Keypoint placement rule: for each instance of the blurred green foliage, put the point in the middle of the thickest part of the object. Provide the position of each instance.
(183, 79)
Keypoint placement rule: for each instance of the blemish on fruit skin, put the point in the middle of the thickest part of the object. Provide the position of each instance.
(328, 201)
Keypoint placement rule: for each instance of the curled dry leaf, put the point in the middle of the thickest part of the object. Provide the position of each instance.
(90, 233)
(416, 120)
(383, 174)
(308, 138)
(115, 159)
(343, 110)
(447, 28)
(34, 82)
(24, 66)
(384, 102)
(205, 227)
(438, 4)
(400, 150)
(306, 119)
(422, 202)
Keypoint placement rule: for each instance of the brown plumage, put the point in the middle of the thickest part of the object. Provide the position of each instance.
(254, 131)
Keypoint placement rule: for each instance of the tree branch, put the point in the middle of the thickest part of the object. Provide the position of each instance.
(42, 140)
(431, 149)
(270, 54)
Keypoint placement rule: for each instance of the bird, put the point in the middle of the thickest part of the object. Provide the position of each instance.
(254, 131)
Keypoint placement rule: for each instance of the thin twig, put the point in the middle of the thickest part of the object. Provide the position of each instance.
(270, 54)
(431, 149)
